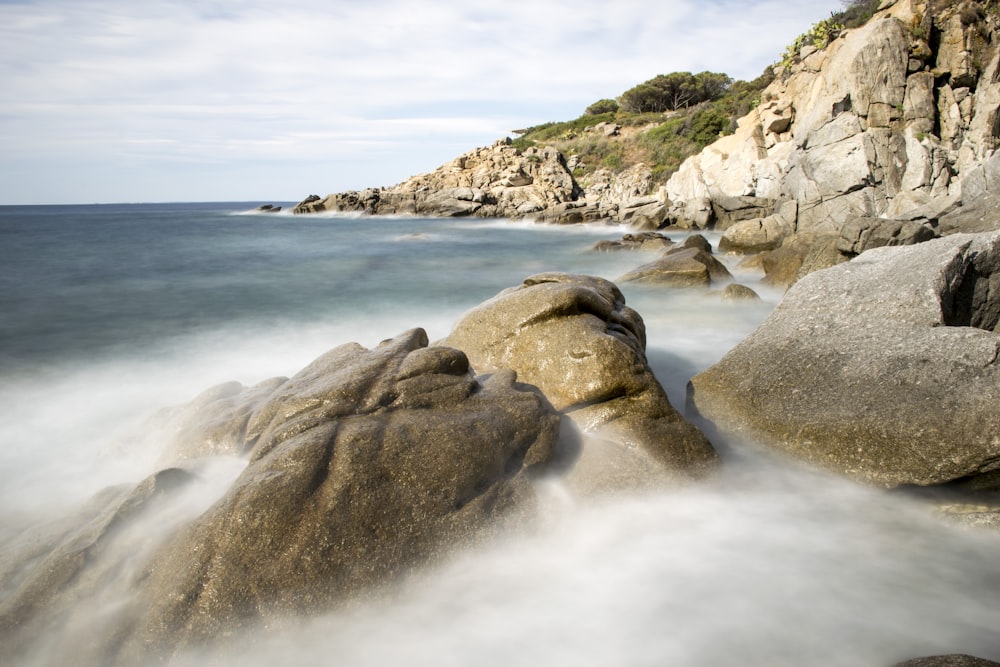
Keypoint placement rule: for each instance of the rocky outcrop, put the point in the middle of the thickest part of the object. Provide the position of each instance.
(214, 423)
(504, 181)
(497, 181)
(361, 467)
(883, 369)
(574, 338)
(889, 120)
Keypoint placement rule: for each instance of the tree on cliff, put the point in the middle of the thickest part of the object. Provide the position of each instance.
(667, 92)
(602, 106)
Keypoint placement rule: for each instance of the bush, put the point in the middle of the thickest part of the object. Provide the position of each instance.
(668, 92)
(856, 13)
(601, 107)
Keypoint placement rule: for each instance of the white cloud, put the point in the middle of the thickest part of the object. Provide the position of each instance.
(116, 82)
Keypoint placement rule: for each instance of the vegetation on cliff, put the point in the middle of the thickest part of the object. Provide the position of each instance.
(663, 121)
(659, 123)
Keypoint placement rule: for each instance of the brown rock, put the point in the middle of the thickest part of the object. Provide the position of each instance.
(574, 338)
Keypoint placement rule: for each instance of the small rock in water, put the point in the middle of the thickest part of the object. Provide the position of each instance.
(737, 292)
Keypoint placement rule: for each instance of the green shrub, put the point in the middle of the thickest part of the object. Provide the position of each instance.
(602, 107)
(668, 92)
(856, 13)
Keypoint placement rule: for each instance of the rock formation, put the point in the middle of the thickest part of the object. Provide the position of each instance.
(681, 267)
(574, 338)
(364, 465)
(504, 181)
(498, 181)
(883, 369)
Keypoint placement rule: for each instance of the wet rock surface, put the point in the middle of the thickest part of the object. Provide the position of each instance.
(364, 465)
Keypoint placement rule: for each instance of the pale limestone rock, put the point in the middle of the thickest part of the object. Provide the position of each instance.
(869, 82)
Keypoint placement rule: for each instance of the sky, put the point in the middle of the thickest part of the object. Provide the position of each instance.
(272, 100)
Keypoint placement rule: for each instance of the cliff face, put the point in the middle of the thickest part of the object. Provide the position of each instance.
(886, 121)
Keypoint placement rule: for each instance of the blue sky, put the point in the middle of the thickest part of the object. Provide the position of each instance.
(240, 100)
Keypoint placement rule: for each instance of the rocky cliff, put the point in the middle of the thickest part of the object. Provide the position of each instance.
(887, 121)
(890, 121)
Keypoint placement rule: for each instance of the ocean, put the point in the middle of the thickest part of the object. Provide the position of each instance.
(111, 313)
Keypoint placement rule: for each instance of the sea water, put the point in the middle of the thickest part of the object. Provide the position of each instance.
(111, 313)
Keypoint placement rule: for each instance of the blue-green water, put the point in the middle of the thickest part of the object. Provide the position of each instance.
(110, 313)
(85, 281)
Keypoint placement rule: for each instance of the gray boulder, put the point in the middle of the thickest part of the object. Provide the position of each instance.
(861, 234)
(883, 369)
(574, 338)
(755, 235)
(363, 466)
(48, 570)
(973, 218)
(696, 241)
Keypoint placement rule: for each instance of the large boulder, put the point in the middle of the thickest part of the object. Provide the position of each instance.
(574, 338)
(363, 466)
(883, 369)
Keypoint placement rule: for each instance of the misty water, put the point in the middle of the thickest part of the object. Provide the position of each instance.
(111, 313)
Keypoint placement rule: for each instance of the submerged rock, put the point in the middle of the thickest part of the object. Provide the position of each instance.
(575, 339)
(680, 267)
(883, 369)
(364, 465)
(737, 292)
(637, 241)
